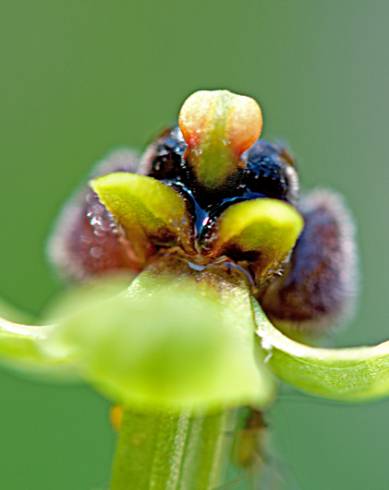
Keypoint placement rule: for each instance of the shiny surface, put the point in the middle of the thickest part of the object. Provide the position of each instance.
(80, 78)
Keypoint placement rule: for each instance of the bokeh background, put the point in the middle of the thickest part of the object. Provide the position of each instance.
(81, 77)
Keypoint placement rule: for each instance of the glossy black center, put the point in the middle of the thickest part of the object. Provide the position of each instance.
(267, 171)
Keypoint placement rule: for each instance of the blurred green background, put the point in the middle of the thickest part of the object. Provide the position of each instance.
(80, 77)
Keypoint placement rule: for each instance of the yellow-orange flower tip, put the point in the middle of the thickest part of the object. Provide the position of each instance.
(218, 126)
(207, 114)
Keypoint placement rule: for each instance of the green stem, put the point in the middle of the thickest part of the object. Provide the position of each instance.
(173, 452)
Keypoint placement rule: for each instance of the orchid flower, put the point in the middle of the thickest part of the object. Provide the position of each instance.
(228, 277)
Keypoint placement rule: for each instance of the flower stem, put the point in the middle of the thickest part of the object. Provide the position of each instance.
(162, 451)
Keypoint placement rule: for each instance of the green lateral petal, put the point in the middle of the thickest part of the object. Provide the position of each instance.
(169, 343)
(350, 374)
(267, 226)
(146, 208)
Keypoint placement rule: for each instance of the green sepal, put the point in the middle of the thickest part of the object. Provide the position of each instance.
(169, 344)
(148, 210)
(348, 374)
(187, 342)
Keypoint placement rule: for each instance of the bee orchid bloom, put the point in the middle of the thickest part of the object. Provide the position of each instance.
(223, 266)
